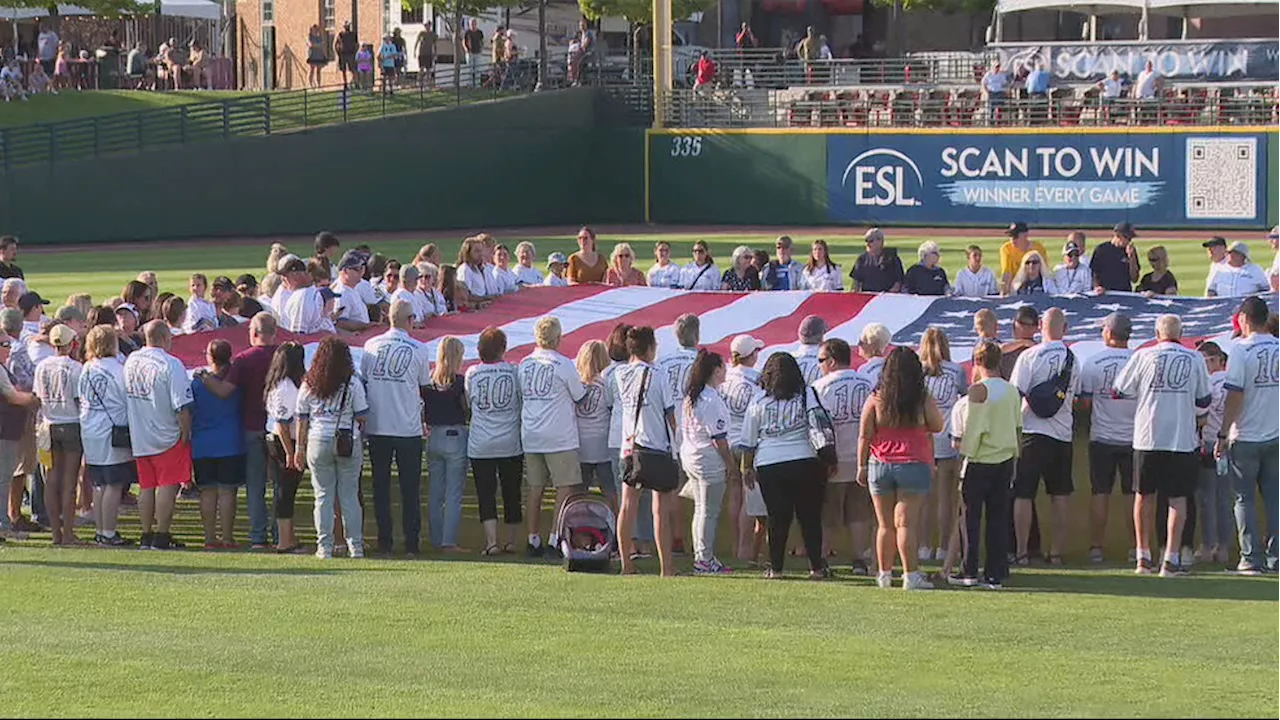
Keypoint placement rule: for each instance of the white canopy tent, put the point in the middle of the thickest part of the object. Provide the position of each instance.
(1184, 9)
(204, 9)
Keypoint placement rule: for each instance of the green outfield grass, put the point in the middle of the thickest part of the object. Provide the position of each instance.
(104, 272)
(73, 104)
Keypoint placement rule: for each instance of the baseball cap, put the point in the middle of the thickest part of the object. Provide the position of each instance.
(62, 336)
(222, 282)
(246, 280)
(1016, 228)
(290, 264)
(352, 259)
(556, 257)
(1236, 247)
(1125, 230)
(69, 313)
(30, 300)
(744, 345)
(1071, 248)
(1215, 241)
(1275, 233)
(328, 294)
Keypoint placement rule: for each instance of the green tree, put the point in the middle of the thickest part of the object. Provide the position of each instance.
(639, 13)
(456, 10)
(109, 8)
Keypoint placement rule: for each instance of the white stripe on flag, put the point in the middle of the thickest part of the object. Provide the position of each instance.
(740, 316)
(893, 311)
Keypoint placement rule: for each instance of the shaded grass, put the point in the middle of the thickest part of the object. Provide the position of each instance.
(73, 104)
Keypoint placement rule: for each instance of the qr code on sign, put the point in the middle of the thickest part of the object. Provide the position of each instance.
(1222, 178)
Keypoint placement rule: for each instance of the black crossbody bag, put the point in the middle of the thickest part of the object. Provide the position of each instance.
(646, 467)
(345, 439)
(120, 437)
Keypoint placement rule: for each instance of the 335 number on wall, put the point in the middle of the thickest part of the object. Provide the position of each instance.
(686, 146)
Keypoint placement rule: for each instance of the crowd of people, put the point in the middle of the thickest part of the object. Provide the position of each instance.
(902, 456)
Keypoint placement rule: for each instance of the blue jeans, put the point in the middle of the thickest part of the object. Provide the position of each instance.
(1254, 468)
(911, 478)
(255, 488)
(447, 470)
(1215, 507)
(334, 477)
(407, 453)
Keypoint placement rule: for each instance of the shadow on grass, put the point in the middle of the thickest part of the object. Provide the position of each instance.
(167, 569)
(1204, 585)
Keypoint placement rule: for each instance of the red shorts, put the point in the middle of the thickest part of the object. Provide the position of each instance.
(171, 467)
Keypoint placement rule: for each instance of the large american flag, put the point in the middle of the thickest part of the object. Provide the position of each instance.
(590, 312)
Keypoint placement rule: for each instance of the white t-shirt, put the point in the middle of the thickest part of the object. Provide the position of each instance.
(102, 407)
(266, 302)
(593, 414)
(353, 302)
(871, 369)
(555, 281)
(979, 284)
(693, 277)
(653, 432)
(1217, 405)
(615, 410)
(337, 412)
(1069, 281)
(807, 358)
(38, 352)
(479, 281)
(282, 405)
(1228, 281)
(843, 394)
(432, 302)
(958, 419)
(156, 389)
(676, 365)
(777, 429)
(201, 315)
(304, 313)
(702, 425)
(1254, 369)
(1112, 421)
(505, 280)
(740, 387)
(493, 393)
(668, 276)
(1213, 269)
(1172, 387)
(1034, 366)
(528, 276)
(549, 388)
(826, 278)
(395, 368)
(281, 299)
(414, 299)
(1112, 88)
(57, 384)
(946, 388)
(1145, 87)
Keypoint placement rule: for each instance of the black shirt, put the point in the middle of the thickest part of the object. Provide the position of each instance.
(926, 281)
(872, 274)
(1159, 287)
(8, 270)
(348, 44)
(473, 40)
(249, 307)
(1110, 267)
(444, 407)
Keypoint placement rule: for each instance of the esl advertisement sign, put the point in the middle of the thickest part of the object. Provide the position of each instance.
(979, 179)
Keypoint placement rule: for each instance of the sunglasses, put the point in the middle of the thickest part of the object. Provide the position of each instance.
(1154, 258)
(699, 251)
(823, 358)
(1031, 262)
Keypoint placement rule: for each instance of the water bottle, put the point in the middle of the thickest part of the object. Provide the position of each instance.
(1222, 466)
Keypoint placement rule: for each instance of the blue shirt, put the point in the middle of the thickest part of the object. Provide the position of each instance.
(1038, 82)
(215, 424)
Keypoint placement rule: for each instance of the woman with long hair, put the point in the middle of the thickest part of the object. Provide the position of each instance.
(473, 272)
(444, 407)
(1030, 277)
(586, 265)
(664, 272)
(821, 273)
(622, 270)
(284, 378)
(895, 458)
(701, 274)
(492, 389)
(57, 384)
(456, 297)
(947, 383)
(776, 449)
(277, 251)
(740, 277)
(331, 412)
(138, 295)
(108, 467)
(217, 449)
(593, 413)
(428, 253)
(705, 456)
(503, 275)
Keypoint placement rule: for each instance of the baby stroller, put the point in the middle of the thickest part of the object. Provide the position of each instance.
(588, 533)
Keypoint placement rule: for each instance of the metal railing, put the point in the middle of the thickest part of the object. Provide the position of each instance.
(719, 107)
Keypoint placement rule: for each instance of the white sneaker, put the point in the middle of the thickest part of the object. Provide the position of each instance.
(916, 581)
(1188, 557)
(324, 554)
(884, 579)
(356, 551)
(866, 554)
(925, 553)
(940, 554)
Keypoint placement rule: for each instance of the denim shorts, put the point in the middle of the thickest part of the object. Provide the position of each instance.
(905, 478)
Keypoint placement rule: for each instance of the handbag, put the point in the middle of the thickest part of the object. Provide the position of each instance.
(822, 432)
(344, 440)
(120, 437)
(645, 467)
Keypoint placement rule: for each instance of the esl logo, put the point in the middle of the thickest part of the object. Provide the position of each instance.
(880, 178)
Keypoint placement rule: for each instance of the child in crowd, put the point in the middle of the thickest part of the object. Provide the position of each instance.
(556, 264)
(526, 273)
(11, 82)
(173, 312)
(39, 81)
(974, 280)
(502, 272)
(201, 314)
(62, 69)
(364, 67)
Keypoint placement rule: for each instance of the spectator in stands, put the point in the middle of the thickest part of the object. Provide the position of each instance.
(473, 45)
(622, 271)
(994, 85)
(704, 71)
(1148, 83)
(198, 66)
(878, 269)
(1070, 277)
(388, 60)
(821, 273)
(741, 276)
(746, 39)
(1112, 87)
(8, 254)
(345, 46)
(587, 265)
(1238, 277)
(1011, 253)
(927, 277)
(783, 272)
(1110, 430)
(1159, 281)
(1037, 87)
(425, 49)
(47, 48)
(702, 273)
(808, 50)
(975, 279)
(1115, 264)
(1030, 278)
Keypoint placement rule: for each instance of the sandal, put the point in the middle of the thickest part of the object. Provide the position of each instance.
(1055, 560)
(1022, 560)
(509, 549)
(490, 551)
(288, 550)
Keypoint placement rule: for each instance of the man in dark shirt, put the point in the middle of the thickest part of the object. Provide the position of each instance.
(9, 253)
(1026, 321)
(1115, 264)
(346, 46)
(878, 269)
(247, 286)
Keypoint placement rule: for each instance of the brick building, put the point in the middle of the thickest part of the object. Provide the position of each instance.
(271, 36)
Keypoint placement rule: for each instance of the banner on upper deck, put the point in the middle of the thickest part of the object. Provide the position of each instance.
(1224, 60)
(1164, 179)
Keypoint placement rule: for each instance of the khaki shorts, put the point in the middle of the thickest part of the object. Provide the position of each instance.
(558, 469)
(28, 458)
(845, 503)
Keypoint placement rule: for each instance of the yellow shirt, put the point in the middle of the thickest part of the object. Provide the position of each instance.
(1011, 258)
(990, 429)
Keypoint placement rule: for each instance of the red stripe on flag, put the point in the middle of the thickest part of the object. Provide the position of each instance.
(835, 308)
